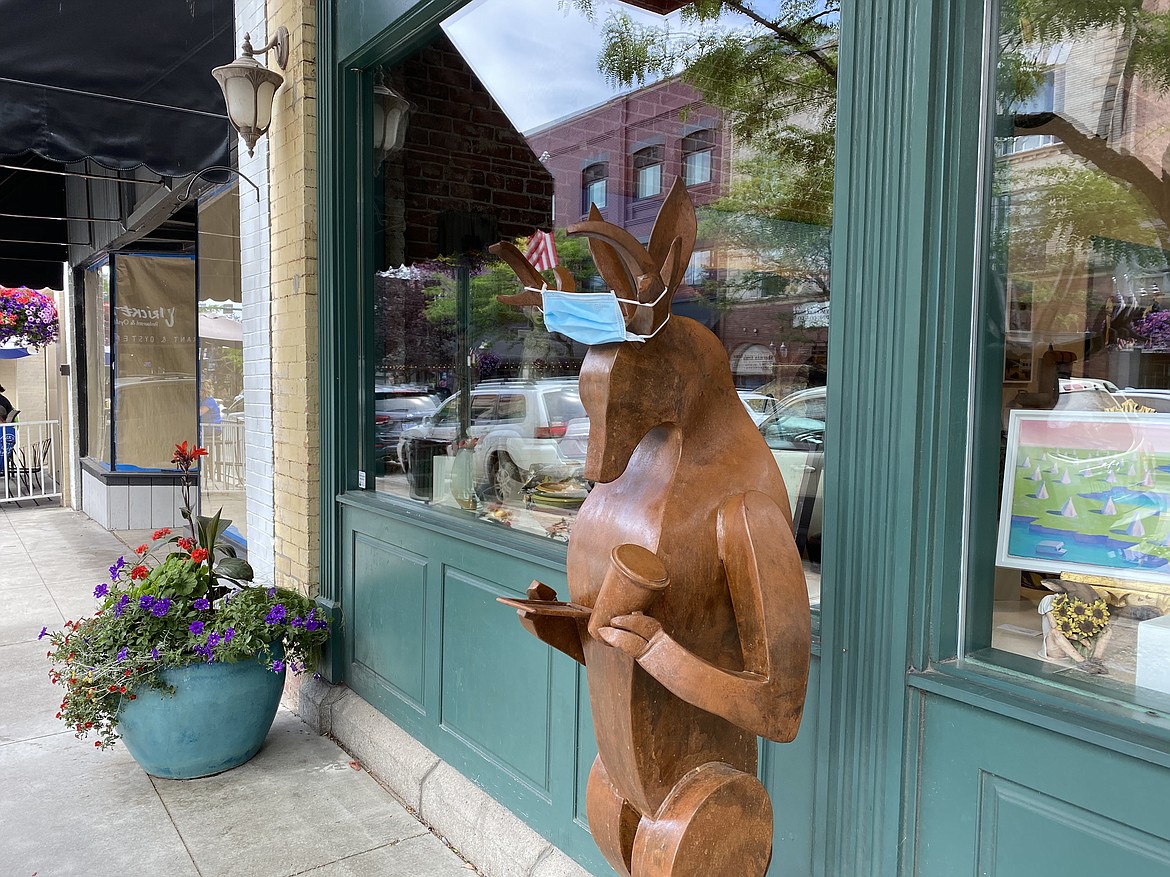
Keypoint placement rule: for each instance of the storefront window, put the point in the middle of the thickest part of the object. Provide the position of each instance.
(97, 364)
(1077, 276)
(221, 357)
(140, 331)
(475, 404)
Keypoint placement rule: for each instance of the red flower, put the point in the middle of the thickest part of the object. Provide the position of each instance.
(185, 543)
(139, 572)
(199, 555)
(185, 458)
(161, 534)
(141, 549)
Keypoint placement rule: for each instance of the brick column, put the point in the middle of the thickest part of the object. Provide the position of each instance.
(293, 182)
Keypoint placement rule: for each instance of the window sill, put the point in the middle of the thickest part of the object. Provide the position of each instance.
(1092, 711)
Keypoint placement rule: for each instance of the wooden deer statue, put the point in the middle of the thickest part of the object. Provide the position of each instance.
(688, 600)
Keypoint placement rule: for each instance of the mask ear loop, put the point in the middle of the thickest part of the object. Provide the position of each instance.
(646, 304)
(543, 289)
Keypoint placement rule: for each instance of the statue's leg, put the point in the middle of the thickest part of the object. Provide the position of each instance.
(612, 820)
(716, 822)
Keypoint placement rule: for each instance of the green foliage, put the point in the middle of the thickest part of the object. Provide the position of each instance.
(1060, 211)
(176, 576)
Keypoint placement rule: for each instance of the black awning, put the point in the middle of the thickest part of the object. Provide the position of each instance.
(124, 82)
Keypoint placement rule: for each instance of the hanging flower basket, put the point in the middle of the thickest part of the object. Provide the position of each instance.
(27, 317)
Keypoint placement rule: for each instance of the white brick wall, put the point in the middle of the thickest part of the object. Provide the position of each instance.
(255, 265)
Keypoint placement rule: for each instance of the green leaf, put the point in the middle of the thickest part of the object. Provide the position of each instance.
(234, 568)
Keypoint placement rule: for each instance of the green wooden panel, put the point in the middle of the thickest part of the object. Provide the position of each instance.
(388, 629)
(789, 771)
(586, 748)
(496, 681)
(1005, 799)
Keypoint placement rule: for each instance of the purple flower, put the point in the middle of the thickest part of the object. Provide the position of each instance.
(298, 622)
(154, 653)
(122, 653)
(278, 666)
(44, 633)
(202, 603)
(101, 591)
(121, 606)
(271, 593)
(213, 639)
(117, 568)
(145, 601)
(196, 627)
(160, 607)
(228, 634)
(275, 615)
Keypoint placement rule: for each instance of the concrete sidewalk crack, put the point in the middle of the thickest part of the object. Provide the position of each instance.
(182, 839)
(385, 846)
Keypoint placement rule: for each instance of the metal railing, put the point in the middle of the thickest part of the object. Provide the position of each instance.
(223, 469)
(29, 451)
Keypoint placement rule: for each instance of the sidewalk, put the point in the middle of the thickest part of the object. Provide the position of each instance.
(298, 808)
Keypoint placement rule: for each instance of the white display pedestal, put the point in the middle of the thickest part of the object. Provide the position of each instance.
(1153, 654)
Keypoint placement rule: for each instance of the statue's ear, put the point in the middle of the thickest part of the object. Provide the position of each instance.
(676, 222)
(523, 269)
(671, 263)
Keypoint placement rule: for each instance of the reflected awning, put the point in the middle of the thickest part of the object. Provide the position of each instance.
(123, 82)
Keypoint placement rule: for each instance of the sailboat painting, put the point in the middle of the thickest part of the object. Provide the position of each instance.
(1088, 492)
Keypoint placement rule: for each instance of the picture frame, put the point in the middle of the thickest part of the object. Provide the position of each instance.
(1087, 492)
(1018, 360)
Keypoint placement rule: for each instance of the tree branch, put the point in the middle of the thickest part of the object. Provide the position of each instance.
(786, 36)
(1096, 150)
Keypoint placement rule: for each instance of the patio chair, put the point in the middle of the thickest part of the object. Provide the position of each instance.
(33, 466)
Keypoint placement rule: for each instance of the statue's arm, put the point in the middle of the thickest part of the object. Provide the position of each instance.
(563, 634)
(770, 598)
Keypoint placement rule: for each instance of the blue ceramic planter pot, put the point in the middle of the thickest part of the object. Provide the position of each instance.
(217, 718)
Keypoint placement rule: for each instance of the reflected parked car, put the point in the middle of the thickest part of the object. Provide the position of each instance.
(519, 430)
(759, 406)
(795, 435)
(397, 408)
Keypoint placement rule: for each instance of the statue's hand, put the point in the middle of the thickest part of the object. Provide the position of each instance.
(633, 634)
(541, 591)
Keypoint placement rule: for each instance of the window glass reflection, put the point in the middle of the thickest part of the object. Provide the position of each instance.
(476, 405)
(1079, 272)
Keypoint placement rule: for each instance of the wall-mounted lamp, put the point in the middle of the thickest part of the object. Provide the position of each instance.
(249, 87)
(390, 110)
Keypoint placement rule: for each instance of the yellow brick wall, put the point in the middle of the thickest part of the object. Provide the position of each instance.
(293, 194)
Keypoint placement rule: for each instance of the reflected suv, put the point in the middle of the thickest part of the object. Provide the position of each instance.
(520, 430)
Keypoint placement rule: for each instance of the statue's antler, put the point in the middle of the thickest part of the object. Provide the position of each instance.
(529, 276)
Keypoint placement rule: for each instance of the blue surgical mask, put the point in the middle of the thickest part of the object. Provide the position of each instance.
(591, 317)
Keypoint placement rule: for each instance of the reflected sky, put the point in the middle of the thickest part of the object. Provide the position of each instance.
(538, 61)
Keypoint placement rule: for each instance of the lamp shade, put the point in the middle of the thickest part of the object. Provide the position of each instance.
(248, 90)
(389, 120)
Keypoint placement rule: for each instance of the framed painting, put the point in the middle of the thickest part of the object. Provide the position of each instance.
(1017, 360)
(1087, 492)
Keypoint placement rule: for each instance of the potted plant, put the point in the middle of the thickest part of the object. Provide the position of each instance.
(185, 658)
